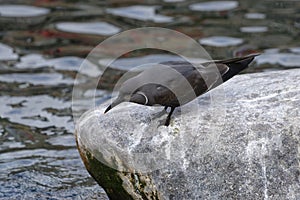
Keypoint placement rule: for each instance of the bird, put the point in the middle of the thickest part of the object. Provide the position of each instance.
(174, 83)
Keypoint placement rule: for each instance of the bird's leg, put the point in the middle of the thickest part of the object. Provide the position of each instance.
(169, 116)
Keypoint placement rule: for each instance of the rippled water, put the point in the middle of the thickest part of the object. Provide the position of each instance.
(43, 43)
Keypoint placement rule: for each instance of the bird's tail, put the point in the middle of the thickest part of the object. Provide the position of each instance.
(236, 65)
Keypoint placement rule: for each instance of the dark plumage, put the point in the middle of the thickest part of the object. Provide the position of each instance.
(172, 84)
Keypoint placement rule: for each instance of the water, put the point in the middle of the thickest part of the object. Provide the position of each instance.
(43, 44)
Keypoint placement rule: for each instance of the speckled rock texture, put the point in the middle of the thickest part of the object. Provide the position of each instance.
(239, 141)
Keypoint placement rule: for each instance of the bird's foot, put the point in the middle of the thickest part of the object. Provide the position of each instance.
(163, 123)
(167, 122)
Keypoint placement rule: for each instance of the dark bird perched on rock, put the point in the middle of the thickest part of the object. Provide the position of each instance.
(173, 84)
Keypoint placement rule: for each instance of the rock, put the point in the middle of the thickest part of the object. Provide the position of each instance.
(241, 140)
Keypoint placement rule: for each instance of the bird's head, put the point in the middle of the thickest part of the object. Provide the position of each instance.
(138, 97)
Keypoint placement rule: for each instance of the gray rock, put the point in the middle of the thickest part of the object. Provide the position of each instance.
(241, 140)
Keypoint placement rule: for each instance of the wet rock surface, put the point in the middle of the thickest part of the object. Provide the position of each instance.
(242, 142)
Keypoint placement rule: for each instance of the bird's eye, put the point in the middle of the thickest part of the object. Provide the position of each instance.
(158, 87)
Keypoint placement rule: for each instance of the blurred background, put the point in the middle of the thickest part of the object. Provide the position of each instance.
(43, 43)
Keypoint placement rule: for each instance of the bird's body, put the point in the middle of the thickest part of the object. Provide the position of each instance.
(173, 84)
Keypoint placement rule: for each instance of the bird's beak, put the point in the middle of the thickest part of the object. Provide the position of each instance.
(107, 109)
(115, 103)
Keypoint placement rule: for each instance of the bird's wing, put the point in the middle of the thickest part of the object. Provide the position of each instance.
(239, 59)
(186, 84)
(203, 77)
(192, 80)
(168, 86)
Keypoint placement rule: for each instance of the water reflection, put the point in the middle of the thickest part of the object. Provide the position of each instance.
(55, 174)
(36, 78)
(214, 6)
(7, 53)
(98, 28)
(22, 16)
(255, 15)
(288, 60)
(221, 41)
(254, 29)
(22, 11)
(143, 13)
(37, 111)
(70, 63)
(43, 45)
